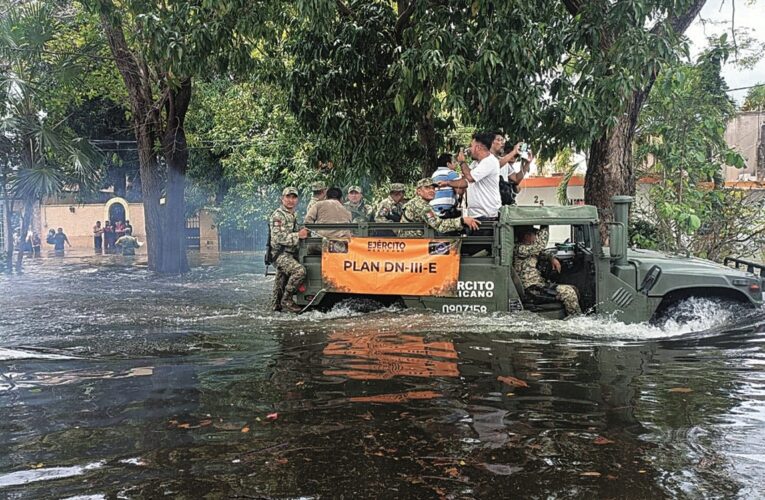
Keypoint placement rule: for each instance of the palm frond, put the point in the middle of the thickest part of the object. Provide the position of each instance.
(37, 182)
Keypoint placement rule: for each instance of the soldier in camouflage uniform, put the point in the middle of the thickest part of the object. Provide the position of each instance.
(419, 210)
(284, 246)
(528, 250)
(319, 191)
(356, 205)
(391, 208)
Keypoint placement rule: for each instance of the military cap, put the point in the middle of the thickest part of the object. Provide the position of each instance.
(318, 186)
(290, 190)
(355, 188)
(397, 186)
(425, 182)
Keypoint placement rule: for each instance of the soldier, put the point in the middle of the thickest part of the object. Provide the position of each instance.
(356, 205)
(391, 208)
(319, 193)
(419, 210)
(128, 243)
(530, 245)
(284, 246)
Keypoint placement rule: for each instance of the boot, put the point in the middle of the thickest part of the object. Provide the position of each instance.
(289, 305)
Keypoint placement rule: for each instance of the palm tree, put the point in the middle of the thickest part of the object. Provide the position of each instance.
(38, 155)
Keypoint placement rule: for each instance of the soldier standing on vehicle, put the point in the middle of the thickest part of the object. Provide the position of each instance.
(419, 210)
(319, 193)
(391, 208)
(528, 249)
(330, 211)
(285, 235)
(356, 205)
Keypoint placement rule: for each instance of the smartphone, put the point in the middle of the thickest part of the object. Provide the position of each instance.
(524, 151)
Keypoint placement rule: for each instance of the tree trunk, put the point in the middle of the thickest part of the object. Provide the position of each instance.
(176, 154)
(151, 192)
(26, 222)
(7, 230)
(426, 133)
(609, 168)
(165, 224)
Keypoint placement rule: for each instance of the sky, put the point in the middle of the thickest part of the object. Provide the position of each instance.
(747, 14)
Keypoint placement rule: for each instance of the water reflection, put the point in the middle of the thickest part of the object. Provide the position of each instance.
(189, 387)
(383, 355)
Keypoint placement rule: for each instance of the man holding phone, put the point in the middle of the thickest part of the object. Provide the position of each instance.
(481, 179)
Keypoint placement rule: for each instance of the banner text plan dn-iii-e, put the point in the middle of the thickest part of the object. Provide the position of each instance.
(454, 274)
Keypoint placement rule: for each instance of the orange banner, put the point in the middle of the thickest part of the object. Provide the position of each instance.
(391, 266)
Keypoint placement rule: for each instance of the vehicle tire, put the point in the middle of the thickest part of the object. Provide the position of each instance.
(692, 308)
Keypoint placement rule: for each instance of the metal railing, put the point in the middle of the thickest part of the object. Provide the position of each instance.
(750, 266)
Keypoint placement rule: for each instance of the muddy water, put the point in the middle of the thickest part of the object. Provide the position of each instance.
(115, 383)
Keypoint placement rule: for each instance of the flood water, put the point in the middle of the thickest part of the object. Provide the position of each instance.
(117, 383)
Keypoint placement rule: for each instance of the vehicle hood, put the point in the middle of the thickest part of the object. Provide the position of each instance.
(645, 259)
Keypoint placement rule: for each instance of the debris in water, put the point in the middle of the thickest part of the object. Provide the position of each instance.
(512, 381)
(272, 416)
(682, 390)
(600, 440)
(590, 474)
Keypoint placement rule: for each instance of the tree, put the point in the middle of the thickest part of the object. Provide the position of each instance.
(755, 98)
(563, 74)
(384, 85)
(681, 140)
(40, 155)
(159, 49)
(619, 60)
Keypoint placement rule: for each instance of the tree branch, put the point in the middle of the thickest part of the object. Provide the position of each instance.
(403, 19)
(573, 6)
(343, 8)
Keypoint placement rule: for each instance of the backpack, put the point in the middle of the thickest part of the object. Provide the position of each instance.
(507, 191)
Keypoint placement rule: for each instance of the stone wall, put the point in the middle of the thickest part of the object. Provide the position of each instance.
(742, 134)
(78, 221)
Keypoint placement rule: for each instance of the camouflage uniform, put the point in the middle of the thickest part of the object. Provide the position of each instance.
(284, 244)
(526, 257)
(316, 186)
(419, 210)
(388, 210)
(359, 212)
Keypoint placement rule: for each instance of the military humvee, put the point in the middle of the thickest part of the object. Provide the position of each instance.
(632, 285)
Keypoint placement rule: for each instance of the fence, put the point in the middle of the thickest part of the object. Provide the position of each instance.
(239, 240)
(192, 232)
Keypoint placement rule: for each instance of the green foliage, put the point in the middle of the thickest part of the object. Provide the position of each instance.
(243, 137)
(681, 142)
(755, 99)
(383, 87)
(47, 153)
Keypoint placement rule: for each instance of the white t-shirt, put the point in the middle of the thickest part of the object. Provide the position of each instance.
(483, 194)
(508, 169)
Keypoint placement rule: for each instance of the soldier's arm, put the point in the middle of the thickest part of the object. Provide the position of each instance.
(312, 215)
(539, 245)
(525, 250)
(443, 225)
(543, 236)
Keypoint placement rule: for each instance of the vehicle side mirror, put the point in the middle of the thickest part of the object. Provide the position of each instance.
(617, 241)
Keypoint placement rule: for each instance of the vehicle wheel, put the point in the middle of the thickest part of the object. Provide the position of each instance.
(716, 310)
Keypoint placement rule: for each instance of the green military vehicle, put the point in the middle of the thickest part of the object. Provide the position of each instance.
(631, 285)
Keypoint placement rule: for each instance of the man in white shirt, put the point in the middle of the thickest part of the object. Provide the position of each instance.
(481, 179)
(510, 156)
